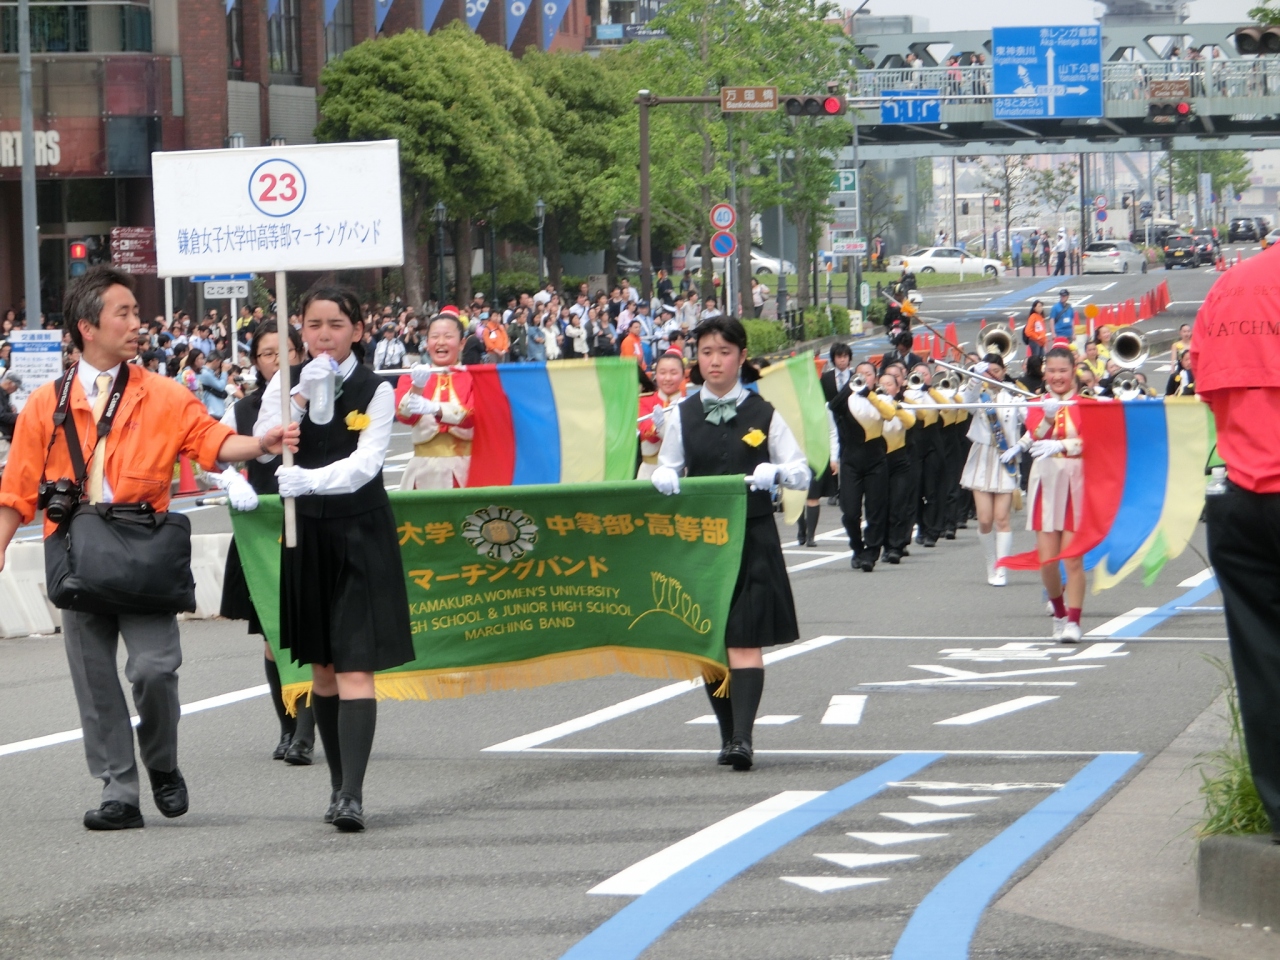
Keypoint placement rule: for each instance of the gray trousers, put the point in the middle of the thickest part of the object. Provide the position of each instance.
(154, 655)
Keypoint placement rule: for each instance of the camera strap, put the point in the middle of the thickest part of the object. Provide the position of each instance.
(62, 419)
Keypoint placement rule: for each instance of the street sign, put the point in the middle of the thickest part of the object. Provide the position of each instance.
(323, 207)
(640, 31)
(36, 357)
(226, 290)
(911, 106)
(1102, 215)
(1100, 202)
(723, 216)
(846, 218)
(846, 246)
(844, 181)
(1168, 89)
(216, 277)
(864, 293)
(133, 250)
(723, 243)
(748, 99)
(1043, 72)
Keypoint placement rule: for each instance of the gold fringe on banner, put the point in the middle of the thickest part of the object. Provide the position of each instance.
(521, 674)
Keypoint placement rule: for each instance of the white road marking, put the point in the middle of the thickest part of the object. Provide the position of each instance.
(640, 878)
(1116, 624)
(691, 752)
(196, 706)
(708, 719)
(856, 861)
(776, 719)
(892, 839)
(993, 711)
(912, 819)
(956, 677)
(845, 709)
(993, 787)
(828, 884)
(1196, 579)
(820, 561)
(1098, 651)
(944, 801)
(806, 552)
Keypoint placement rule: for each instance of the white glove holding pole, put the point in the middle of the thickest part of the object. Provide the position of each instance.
(1051, 407)
(315, 371)
(666, 481)
(658, 415)
(1010, 455)
(295, 481)
(980, 369)
(416, 405)
(1043, 449)
(765, 477)
(420, 373)
(239, 492)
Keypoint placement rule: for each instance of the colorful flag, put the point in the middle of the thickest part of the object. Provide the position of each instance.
(525, 586)
(792, 386)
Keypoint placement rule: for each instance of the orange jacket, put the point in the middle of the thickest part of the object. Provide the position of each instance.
(157, 420)
(495, 337)
(1036, 330)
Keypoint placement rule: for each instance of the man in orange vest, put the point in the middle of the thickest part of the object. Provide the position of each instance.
(154, 421)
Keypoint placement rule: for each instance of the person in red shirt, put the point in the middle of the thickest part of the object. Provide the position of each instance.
(1235, 355)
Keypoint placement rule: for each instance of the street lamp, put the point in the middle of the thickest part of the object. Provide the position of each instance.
(441, 214)
(540, 209)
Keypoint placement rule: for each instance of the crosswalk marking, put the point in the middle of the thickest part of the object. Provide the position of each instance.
(912, 819)
(892, 839)
(937, 801)
(855, 861)
(845, 709)
(1116, 624)
(993, 711)
(828, 884)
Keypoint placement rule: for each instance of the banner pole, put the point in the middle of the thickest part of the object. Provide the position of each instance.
(286, 407)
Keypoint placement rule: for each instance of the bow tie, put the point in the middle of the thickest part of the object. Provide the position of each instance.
(719, 409)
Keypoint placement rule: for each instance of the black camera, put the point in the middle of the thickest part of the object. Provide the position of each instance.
(59, 499)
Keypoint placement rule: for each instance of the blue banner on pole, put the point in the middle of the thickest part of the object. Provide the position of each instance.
(430, 10)
(553, 12)
(273, 8)
(517, 10)
(380, 10)
(329, 7)
(1046, 72)
(475, 12)
(230, 4)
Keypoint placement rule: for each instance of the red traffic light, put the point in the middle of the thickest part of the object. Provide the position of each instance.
(1183, 108)
(833, 106)
(814, 106)
(79, 251)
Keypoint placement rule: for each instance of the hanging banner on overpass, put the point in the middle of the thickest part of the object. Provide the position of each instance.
(1046, 72)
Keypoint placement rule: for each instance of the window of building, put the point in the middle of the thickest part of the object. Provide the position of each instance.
(284, 44)
(340, 32)
(53, 29)
(235, 42)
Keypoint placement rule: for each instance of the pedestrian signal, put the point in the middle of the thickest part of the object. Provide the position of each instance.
(78, 257)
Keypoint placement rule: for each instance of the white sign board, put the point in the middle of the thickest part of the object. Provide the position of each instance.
(226, 290)
(259, 210)
(844, 246)
(37, 358)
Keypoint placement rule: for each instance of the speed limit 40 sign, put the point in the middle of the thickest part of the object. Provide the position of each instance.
(723, 216)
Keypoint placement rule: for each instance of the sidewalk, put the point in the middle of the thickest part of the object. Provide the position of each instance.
(1129, 872)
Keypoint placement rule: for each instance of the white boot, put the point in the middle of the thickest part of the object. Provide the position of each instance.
(1004, 546)
(988, 541)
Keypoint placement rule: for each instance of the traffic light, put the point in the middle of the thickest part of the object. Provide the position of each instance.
(827, 105)
(1160, 194)
(1170, 111)
(1144, 209)
(995, 203)
(621, 236)
(1251, 40)
(964, 207)
(1124, 202)
(78, 258)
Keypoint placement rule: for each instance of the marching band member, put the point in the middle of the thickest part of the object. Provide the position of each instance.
(669, 375)
(898, 467)
(929, 486)
(1055, 488)
(956, 446)
(437, 404)
(860, 414)
(827, 484)
(725, 429)
(343, 604)
(993, 432)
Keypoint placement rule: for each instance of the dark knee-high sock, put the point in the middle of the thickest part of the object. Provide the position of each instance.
(723, 708)
(287, 723)
(811, 519)
(325, 711)
(745, 688)
(802, 528)
(356, 722)
(306, 729)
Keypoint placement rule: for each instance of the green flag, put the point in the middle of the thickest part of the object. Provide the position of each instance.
(523, 586)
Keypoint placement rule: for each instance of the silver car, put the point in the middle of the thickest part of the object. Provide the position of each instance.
(1113, 256)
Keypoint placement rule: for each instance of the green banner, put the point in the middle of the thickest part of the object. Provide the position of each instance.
(522, 586)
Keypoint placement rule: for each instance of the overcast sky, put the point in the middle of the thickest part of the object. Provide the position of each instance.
(978, 14)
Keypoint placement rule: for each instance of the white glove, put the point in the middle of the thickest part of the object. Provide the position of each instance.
(659, 414)
(665, 481)
(1010, 455)
(241, 495)
(315, 371)
(295, 481)
(452, 413)
(416, 405)
(420, 373)
(980, 368)
(1043, 449)
(765, 477)
(1051, 407)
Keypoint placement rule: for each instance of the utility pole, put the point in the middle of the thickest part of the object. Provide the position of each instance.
(644, 99)
(782, 247)
(954, 231)
(30, 223)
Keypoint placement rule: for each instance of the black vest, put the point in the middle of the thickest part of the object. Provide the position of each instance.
(719, 450)
(854, 445)
(262, 476)
(320, 446)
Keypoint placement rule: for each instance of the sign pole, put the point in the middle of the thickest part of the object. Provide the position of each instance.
(235, 344)
(30, 222)
(168, 303)
(286, 407)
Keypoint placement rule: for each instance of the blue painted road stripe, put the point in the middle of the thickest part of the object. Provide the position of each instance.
(944, 923)
(1013, 298)
(630, 931)
(1170, 609)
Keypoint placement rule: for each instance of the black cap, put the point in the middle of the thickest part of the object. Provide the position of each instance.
(1064, 292)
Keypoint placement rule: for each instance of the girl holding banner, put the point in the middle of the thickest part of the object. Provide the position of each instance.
(726, 430)
(343, 604)
(436, 404)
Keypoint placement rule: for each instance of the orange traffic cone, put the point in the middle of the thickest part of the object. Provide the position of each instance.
(186, 477)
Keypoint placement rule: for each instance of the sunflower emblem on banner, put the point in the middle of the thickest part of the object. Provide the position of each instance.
(500, 533)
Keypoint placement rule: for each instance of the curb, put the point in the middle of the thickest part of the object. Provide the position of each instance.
(1239, 879)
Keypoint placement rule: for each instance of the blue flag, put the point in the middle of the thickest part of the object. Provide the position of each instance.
(516, 12)
(381, 8)
(552, 14)
(430, 10)
(329, 7)
(475, 11)
(273, 8)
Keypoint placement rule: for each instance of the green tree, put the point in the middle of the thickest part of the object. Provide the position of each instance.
(1230, 170)
(1055, 187)
(1013, 180)
(469, 123)
(1266, 15)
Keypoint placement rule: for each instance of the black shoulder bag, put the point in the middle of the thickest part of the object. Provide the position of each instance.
(115, 558)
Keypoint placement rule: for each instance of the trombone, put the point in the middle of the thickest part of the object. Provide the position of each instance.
(977, 376)
(999, 341)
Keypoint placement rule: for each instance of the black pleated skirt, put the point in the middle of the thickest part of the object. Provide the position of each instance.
(763, 612)
(342, 594)
(236, 602)
(826, 484)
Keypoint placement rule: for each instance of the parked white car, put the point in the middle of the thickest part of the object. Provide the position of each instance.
(947, 260)
(761, 262)
(1113, 256)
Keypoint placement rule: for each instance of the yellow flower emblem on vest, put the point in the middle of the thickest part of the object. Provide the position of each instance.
(358, 421)
(754, 438)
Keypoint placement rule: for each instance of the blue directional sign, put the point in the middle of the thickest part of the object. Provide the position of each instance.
(910, 106)
(1046, 72)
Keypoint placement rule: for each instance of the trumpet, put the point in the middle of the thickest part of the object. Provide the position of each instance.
(1087, 393)
(948, 382)
(915, 381)
(857, 383)
(1126, 388)
(999, 341)
(1129, 349)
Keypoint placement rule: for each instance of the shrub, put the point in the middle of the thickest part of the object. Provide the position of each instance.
(1231, 801)
(764, 336)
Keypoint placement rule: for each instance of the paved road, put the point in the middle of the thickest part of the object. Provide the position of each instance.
(923, 745)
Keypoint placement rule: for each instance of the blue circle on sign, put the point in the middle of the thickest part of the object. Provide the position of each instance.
(277, 187)
(1102, 214)
(723, 244)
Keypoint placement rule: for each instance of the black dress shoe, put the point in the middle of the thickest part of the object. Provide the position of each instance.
(349, 816)
(740, 754)
(930, 543)
(282, 747)
(333, 807)
(169, 791)
(113, 815)
(723, 759)
(894, 557)
(299, 753)
(811, 542)
(949, 535)
(867, 566)
(905, 552)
